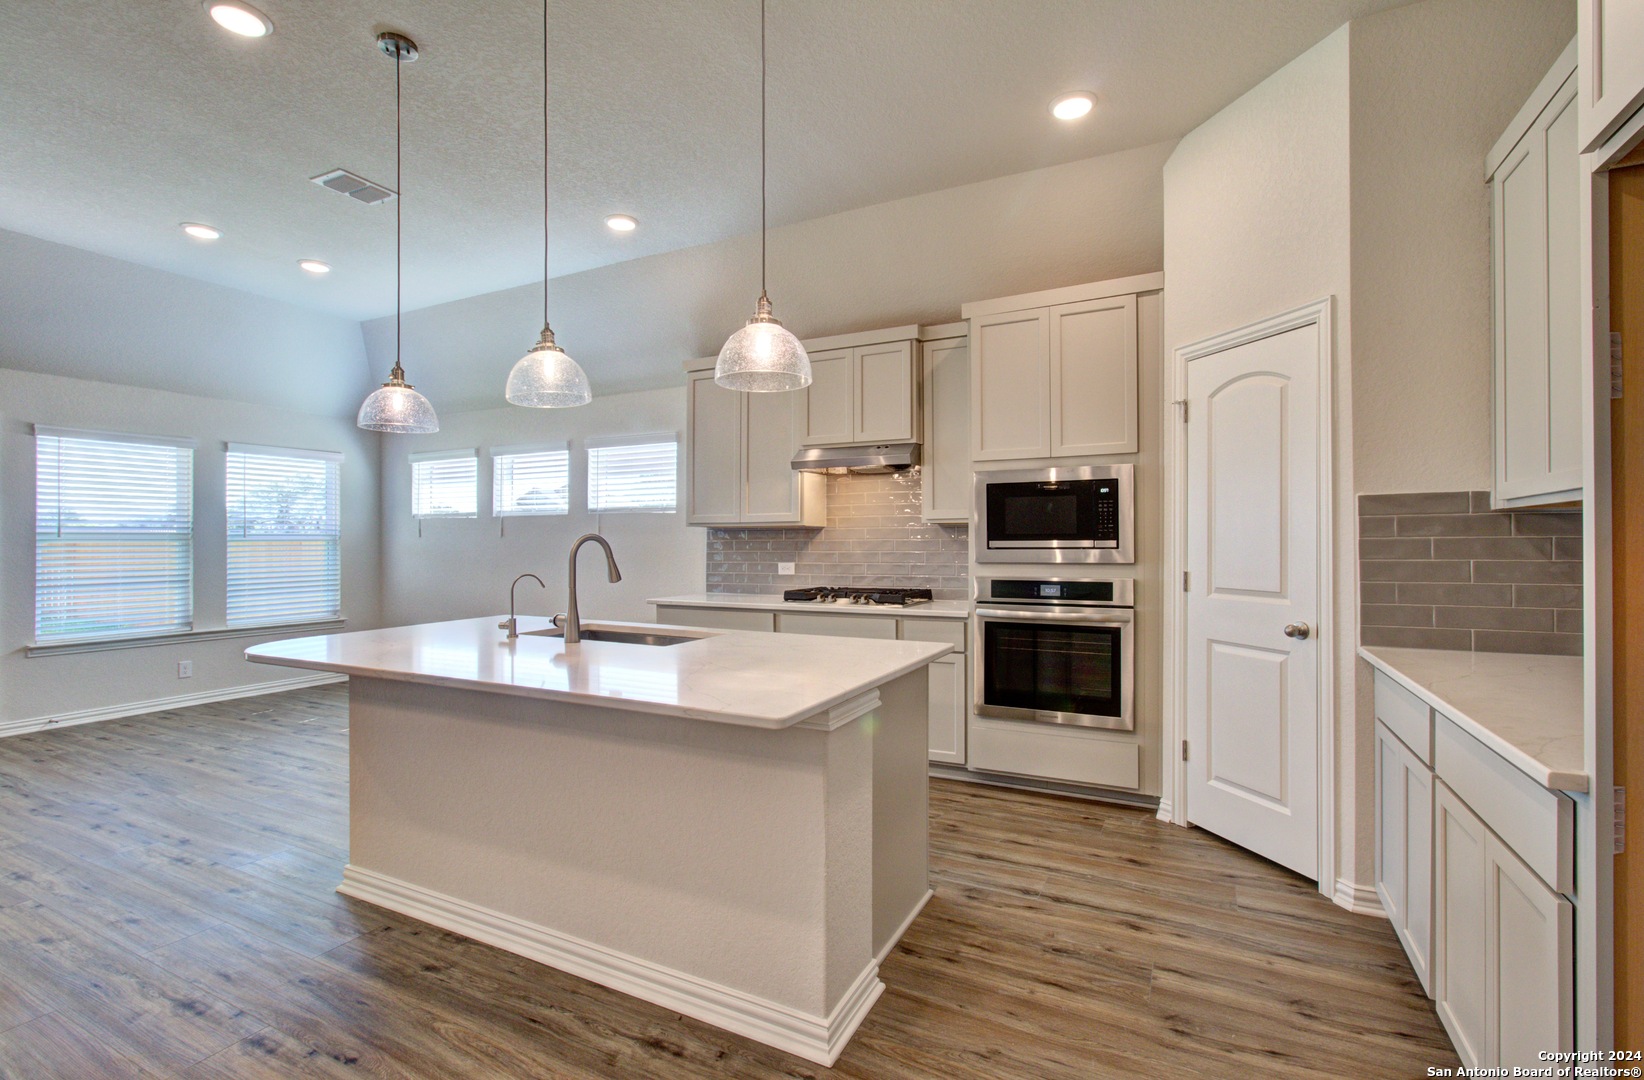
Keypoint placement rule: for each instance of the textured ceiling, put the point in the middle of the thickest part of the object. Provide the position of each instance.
(121, 120)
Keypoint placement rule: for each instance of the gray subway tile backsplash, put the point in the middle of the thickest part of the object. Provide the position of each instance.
(874, 536)
(1441, 570)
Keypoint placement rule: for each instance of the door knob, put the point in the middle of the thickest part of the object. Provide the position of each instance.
(1298, 630)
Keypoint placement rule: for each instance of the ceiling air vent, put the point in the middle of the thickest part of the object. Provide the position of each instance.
(355, 187)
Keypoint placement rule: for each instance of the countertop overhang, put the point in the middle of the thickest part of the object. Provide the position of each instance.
(1527, 708)
(750, 679)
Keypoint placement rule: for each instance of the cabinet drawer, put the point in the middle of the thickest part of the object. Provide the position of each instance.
(716, 618)
(865, 626)
(1406, 716)
(944, 632)
(1539, 825)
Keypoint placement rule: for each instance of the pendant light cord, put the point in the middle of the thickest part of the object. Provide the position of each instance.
(544, 163)
(399, 275)
(762, 181)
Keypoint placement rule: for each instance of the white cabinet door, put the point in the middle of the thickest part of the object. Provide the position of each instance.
(1611, 35)
(713, 441)
(1010, 385)
(1531, 964)
(1093, 377)
(1460, 937)
(947, 709)
(885, 393)
(773, 492)
(1538, 311)
(1404, 848)
(829, 418)
(946, 486)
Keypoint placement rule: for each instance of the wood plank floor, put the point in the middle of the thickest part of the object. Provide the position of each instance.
(166, 909)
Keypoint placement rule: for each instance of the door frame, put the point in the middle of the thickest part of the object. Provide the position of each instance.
(1173, 800)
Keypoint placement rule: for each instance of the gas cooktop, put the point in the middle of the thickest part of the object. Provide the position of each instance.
(848, 594)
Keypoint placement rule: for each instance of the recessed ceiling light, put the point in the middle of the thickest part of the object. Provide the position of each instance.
(238, 18)
(201, 232)
(621, 223)
(1072, 106)
(314, 266)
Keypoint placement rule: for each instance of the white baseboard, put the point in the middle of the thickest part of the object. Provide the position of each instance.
(903, 929)
(1165, 809)
(1359, 899)
(138, 708)
(814, 1038)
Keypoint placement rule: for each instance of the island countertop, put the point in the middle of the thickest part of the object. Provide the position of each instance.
(1527, 708)
(750, 679)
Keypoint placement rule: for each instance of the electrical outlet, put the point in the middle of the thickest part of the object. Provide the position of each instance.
(185, 669)
(784, 569)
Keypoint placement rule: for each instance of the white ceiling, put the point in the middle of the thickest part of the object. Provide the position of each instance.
(122, 119)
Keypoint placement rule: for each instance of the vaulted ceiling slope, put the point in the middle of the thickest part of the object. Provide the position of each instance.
(122, 120)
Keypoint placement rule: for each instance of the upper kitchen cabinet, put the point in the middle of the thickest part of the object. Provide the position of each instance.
(864, 389)
(738, 451)
(1054, 374)
(1611, 38)
(945, 364)
(1535, 175)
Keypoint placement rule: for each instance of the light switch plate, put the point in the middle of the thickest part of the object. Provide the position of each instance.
(784, 569)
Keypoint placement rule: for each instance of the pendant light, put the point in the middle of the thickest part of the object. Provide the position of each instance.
(764, 355)
(545, 377)
(396, 406)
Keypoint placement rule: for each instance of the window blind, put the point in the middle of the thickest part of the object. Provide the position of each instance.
(113, 535)
(445, 484)
(530, 480)
(640, 473)
(284, 535)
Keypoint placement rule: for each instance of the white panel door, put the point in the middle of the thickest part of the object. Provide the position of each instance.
(828, 416)
(946, 491)
(1611, 65)
(947, 709)
(1010, 385)
(884, 393)
(1093, 378)
(1252, 524)
(770, 426)
(1460, 937)
(713, 448)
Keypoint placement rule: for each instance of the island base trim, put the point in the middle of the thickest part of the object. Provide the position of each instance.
(901, 931)
(814, 1038)
(1359, 899)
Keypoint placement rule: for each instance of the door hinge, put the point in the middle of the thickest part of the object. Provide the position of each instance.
(1615, 364)
(1183, 403)
(1184, 749)
(1187, 581)
(1620, 808)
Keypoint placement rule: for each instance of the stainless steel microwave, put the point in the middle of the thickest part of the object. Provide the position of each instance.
(1070, 514)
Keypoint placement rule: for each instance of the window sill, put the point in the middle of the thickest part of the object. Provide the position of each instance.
(67, 648)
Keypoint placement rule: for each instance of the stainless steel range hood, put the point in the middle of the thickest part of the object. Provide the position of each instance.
(884, 458)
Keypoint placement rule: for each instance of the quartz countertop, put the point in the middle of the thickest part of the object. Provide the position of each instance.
(936, 609)
(751, 679)
(1526, 708)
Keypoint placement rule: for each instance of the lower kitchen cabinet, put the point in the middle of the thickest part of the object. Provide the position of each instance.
(1404, 848)
(947, 709)
(1503, 958)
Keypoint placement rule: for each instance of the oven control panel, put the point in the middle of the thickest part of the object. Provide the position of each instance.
(1112, 592)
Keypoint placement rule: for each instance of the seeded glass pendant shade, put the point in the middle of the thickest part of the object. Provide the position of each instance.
(546, 378)
(395, 406)
(763, 357)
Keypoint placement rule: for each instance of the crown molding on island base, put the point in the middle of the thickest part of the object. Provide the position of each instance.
(138, 708)
(815, 1038)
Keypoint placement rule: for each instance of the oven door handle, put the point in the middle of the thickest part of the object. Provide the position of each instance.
(1094, 616)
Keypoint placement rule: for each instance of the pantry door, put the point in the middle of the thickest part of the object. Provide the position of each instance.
(1253, 648)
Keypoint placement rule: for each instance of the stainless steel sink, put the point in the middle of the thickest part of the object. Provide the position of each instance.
(620, 637)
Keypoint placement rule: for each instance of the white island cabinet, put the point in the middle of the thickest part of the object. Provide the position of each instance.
(732, 826)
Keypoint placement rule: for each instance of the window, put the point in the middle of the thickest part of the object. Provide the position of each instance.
(529, 480)
(113, 535)
(445, 483)
(639, 472)
(284, 535)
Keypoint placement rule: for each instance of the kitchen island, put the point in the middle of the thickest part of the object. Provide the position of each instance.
(732, 826)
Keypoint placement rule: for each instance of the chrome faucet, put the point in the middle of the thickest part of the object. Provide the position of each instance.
(572, 621)
(511, 624)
